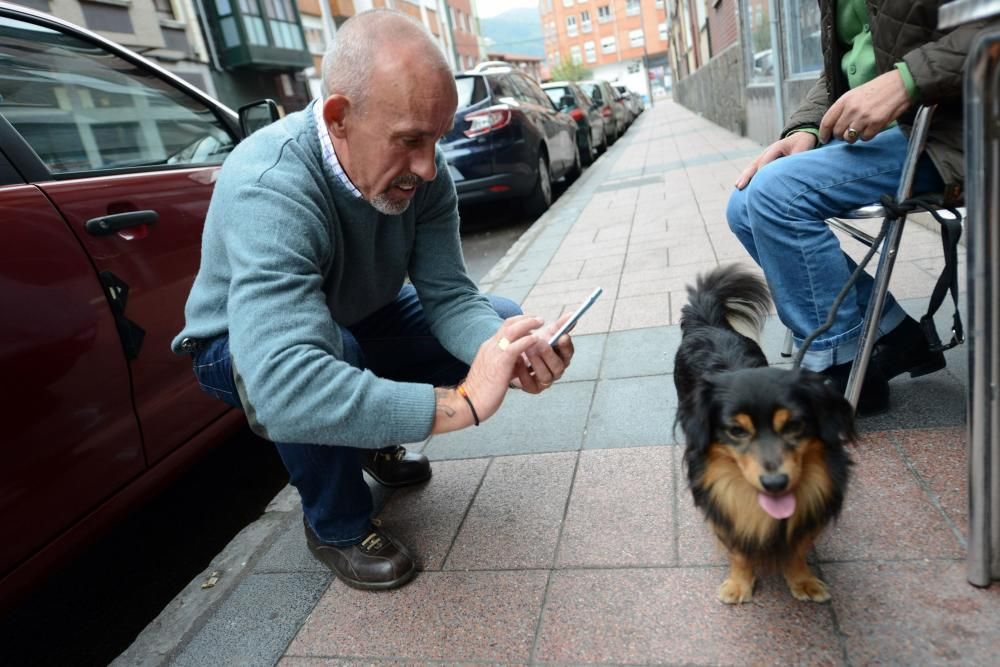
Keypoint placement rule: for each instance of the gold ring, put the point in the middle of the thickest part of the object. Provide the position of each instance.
(850, 135)
(503, 343)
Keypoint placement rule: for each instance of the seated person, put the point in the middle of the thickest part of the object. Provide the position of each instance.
(876, 69)
(299, 314)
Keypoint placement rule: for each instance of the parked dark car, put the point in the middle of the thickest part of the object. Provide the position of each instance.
(509, 140)
(107, 164)
(610, 105)
(590, 136)
(632, 99)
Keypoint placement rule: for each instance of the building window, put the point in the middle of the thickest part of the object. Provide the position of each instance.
(165, 8)
(571, 26)
(567, 3)
(590, 51)
(635, 37)
(757, 37)
(283, 24)
(253, 23)
(662, 28)
(802, 47)
(608, 44)
(659, 4)
(632, 7)
(574, 55)
(604, 13)
(585, 24)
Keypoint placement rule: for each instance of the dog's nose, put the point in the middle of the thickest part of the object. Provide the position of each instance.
(774, 483)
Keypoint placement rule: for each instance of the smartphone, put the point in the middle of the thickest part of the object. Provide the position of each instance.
(571, 322)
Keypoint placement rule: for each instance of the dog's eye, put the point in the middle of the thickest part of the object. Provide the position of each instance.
(737, 432)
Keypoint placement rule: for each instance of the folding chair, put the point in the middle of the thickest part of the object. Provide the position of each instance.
(887, 252)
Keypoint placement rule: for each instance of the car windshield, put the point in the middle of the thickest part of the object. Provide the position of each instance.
(470, 90)
(593, 89)
(556, 94)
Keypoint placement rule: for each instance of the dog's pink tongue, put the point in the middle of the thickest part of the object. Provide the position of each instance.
(780, 507)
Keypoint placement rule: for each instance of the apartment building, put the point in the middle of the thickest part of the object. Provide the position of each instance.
(624, 41)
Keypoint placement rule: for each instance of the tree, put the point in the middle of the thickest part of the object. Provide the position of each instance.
(569, 71)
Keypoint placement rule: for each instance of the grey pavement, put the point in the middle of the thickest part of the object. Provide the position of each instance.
(561, 530)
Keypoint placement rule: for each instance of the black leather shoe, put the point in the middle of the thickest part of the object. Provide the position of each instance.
(874, 398)
(905, 349)
(394, 466)
(376, 563)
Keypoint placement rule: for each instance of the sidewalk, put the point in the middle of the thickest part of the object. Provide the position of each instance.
(561, 530)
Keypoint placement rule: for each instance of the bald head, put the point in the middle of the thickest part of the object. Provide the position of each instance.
(379, 41)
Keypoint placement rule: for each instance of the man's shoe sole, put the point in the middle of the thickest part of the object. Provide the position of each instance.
(365, 585)
(395, 485)
(930, 366)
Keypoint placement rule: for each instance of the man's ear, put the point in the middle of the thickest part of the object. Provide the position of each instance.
(335, 110)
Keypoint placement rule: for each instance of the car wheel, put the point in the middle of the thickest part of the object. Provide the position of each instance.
(586, 151)
(603, 148)
(540, 199)
(614, 136)
(577, 168)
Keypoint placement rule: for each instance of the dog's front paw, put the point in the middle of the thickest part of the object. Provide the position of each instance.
(734, 591)
(809, 589)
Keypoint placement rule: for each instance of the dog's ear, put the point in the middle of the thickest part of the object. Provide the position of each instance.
(696, 416)
(834, 414)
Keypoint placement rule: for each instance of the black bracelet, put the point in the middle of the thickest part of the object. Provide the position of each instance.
(463, 394)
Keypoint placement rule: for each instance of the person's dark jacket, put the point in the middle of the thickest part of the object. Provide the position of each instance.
(903, 30)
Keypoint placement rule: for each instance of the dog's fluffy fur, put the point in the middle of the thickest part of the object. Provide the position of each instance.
(765, 447)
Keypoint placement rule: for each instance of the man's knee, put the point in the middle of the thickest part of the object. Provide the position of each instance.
(736, 212)
(505, 307)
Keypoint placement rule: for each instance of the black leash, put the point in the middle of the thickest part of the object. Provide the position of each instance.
(951, 231)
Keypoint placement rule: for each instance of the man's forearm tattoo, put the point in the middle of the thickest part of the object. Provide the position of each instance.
(441, 397)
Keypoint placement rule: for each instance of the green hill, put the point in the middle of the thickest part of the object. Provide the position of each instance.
(514, 31)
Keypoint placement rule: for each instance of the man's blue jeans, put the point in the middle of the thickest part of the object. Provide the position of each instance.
(394, 342)
(779, 217)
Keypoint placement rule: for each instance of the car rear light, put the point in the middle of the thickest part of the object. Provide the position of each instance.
(606, 111)
(576, 115)
(498, 188)
(487, 120)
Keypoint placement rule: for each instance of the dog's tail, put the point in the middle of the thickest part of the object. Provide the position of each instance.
(729, 297)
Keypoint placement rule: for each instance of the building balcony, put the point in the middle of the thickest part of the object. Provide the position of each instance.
(258, 34)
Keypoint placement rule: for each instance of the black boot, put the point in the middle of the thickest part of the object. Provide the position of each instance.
(874, 398)
(905, 348)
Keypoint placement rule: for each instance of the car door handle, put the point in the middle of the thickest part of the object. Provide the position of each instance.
(109, 224)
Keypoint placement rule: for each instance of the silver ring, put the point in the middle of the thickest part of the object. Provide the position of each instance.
(850, 135)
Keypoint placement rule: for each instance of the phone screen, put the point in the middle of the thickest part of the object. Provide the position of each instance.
(571, 322)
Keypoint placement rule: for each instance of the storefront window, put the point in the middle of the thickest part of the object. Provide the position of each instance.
(760, 55)
(802, 36)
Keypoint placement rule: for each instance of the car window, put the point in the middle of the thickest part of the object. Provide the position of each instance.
(82, 108)
(503, 89)
(524, 92)
(557, 93)
(471, 90)
(535, 91)
(594, 90)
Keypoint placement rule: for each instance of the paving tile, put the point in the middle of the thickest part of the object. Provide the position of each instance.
(426, 517)
(914, 613)
(620, 510)
(588, 351)
(671, 616)
(515, 518)
(932, 401)
(269, 608)
(549, 422)
(640, 352)
(632, 412)
(453, 616)
(941, 458)
(636, 312)
(886, 514)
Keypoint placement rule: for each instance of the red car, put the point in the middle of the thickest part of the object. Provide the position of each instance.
(107, 164)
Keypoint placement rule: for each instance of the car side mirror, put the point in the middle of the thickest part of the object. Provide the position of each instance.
(256, 115)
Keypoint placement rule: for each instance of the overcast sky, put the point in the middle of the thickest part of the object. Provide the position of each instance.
(488, 8)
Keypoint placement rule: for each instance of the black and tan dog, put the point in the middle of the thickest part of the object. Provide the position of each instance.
(765, 447)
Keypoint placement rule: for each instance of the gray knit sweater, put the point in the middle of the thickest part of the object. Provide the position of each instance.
(288, 253)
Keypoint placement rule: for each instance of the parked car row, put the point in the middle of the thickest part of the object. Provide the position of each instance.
(513, 138)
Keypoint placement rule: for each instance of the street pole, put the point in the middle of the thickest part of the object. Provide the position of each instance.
(776, 56)
(645, 55)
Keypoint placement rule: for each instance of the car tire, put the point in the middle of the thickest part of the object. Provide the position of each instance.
(577, 168)
(603, 148)
(540, 199)
(614, 136)
(587, 152)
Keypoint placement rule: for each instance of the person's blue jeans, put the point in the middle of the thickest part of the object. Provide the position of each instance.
(779, 218)
(394, 342)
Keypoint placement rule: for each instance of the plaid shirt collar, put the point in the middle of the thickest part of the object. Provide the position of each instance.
(329, 154)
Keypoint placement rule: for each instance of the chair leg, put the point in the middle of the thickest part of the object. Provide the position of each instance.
(869, 331)
(787, 348)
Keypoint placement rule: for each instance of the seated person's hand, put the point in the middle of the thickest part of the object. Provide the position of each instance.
(796, 142)
(866, 109)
